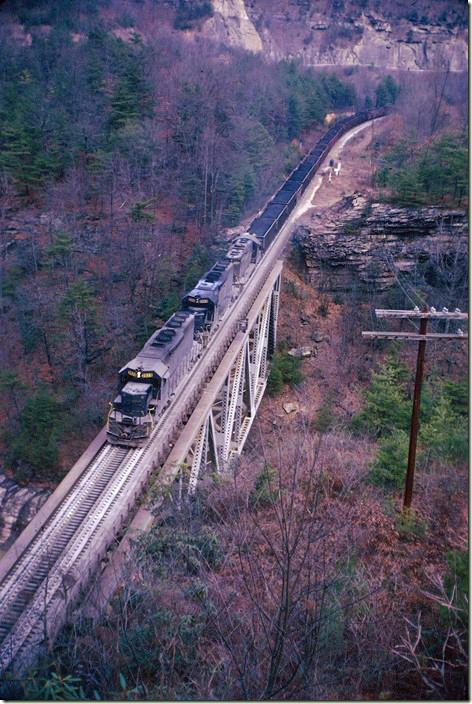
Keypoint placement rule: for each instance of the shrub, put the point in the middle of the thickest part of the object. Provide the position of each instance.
(389, 467)
(386, 92)
(264, 493)
(458, 393)
(190, 10)
(424, 174)
(52, 687)
(35, 444)
(445, 435)
(284, 369)
(291, 289)
(325, 416)
(386, 404)
(457, 578)
(167, 545)
(408, 525)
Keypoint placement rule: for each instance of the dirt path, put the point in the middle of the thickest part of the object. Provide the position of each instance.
(355, 174)
(304, 311)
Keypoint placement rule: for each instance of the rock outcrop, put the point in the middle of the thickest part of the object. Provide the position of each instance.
(354, 37)
(18, 505)
(363, 245)
(230, 23)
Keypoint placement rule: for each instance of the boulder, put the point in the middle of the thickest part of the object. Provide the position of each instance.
(290, 407)
(300, 352)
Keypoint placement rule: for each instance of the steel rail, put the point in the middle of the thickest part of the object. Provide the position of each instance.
(33, 565)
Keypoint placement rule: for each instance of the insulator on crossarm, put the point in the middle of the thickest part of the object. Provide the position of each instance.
(457, 310)
(432, 310)
(460, 331)
(445, 310)
(416, 309)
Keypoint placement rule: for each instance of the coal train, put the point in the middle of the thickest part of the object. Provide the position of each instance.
(149, 381)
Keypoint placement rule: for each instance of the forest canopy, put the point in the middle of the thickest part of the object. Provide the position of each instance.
(203, 127)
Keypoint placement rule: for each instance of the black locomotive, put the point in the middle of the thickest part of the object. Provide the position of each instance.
(150, 379)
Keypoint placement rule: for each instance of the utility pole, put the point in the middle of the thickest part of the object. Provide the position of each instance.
(422, 337)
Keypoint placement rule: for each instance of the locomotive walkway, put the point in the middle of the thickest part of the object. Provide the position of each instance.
(44, 572)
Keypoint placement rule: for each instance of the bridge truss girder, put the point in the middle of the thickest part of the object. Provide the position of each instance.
(218, 428)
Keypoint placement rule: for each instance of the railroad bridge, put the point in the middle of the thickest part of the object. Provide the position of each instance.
(49, 566)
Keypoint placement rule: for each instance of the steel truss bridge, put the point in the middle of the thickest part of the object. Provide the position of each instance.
(51, 564)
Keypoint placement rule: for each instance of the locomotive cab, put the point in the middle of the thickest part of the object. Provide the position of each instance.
(202, 306)
(135, 400)
(130, 419)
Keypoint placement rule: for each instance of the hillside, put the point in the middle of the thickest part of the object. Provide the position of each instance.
(136, 137)
(196, 615)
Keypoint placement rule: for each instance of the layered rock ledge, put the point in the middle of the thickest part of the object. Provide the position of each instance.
(366, 245)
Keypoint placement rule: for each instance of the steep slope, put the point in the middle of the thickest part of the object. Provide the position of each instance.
(430, 37)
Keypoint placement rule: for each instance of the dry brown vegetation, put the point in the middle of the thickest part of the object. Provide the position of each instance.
(293, 577)
(305, 585)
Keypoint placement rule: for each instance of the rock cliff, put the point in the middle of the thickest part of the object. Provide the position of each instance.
(339, 33)
(366, 245)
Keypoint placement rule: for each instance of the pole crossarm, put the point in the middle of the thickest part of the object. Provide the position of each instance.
(429, 314)
(371, 334)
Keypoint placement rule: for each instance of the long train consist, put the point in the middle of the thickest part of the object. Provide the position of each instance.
(148, 382)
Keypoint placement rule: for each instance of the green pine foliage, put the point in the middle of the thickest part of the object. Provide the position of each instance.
(168, 547)
(389, 467)
(445, 435)
(284, 369)
(51, 89)
(310, 97)
(457, 579)
(386, 414)
(386, 92)
(131, 100)
(266, 489)
(428, 174)
(82, 106)
(79, 297)
(385, 400)
(34, 449)
(325, 416)
(189, 11)
(457, 392)
(59, 253)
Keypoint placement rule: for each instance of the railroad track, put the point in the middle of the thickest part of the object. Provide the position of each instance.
(47, 576)
(55, 564)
